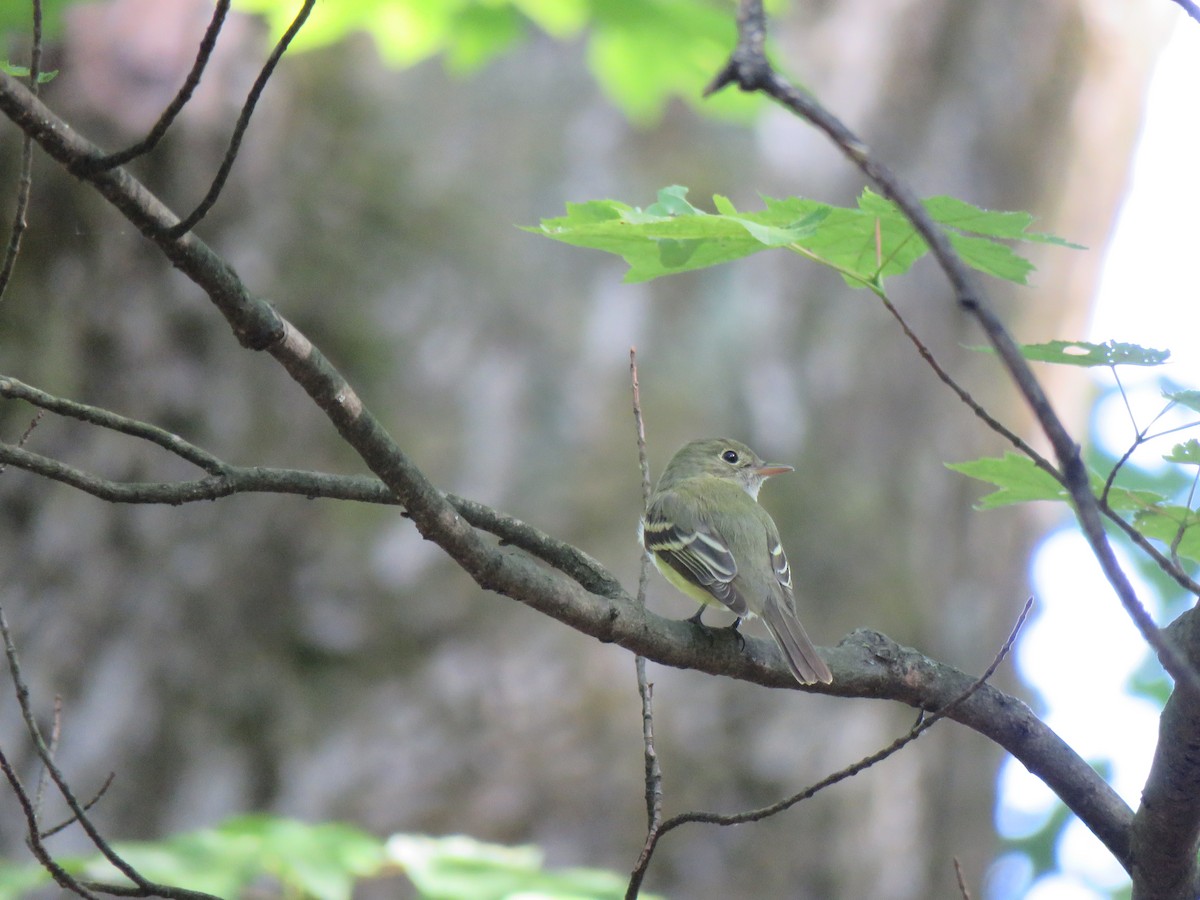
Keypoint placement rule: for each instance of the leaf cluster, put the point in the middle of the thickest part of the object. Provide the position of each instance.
(866, 243)
(1155, 515)
(325, 862)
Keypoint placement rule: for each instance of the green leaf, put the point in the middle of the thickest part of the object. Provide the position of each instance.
(23, 72)
(1190, 399)
(985, 255)
(461, 868)
(1082, 353)
(976, 233)
(322, 861)
(1187, 453)
(1164, 523)
(865, 244)
(672, 201)
(1019, 480)
(1016, 477)
(673, 236)
(642, 53)
(966, 217)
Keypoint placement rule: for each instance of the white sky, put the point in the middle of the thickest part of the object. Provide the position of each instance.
(1148, 296)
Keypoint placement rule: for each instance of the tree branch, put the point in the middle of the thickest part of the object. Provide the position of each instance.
(203, 53)
(141, 886)
(25, 178)
(1165, 834)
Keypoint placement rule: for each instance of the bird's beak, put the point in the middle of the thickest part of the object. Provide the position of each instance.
(771, 469)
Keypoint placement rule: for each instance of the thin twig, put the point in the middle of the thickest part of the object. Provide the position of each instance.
(61, 877)
(982, 414)
(25, 435)
(1138, 437)
(203, 53)
(55, 735)
(25, 172)
(67, 823)
(922, 725)
(43, 752)
(654, 775)
(239, 129)
(11, 388)
(142, 886)
(962, 882)
(1183, 525)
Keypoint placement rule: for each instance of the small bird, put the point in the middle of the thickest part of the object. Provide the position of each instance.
(709, 537)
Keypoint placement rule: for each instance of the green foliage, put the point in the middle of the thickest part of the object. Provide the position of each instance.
(865, 244)
(461, 868)
(1190, 399)
(325, 861)
(1019, 480)
(1016, 478)
(16, 18)
(1082, 353)
(641, 52)
(317, 861)
(1155, 514)
(1187, 453)
(23, 72)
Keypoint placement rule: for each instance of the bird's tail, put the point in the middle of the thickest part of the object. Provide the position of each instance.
(798, 651)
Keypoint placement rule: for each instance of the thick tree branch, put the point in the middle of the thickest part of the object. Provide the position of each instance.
(1165, 835)
(1189, 7)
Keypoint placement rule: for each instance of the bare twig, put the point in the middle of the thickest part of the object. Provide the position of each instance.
(61, 877)
(922, 725)
(67, 823)
(1178, 539)
(654, 775)
(55, 736)
(13, 389)
(203, 53)
(25, 172)
(243, 122)
(25, 435)
(142, 886)
(962, 882)
(750, 70)
(982, 414)
(43, 753)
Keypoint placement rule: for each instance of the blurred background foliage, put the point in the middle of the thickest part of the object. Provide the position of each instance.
(319, 660)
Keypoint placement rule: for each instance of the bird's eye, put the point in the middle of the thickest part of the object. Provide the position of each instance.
(730, 456)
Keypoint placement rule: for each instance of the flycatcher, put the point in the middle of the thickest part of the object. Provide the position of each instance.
(709, 537)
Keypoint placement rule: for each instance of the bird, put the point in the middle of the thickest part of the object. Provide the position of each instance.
(708, 536)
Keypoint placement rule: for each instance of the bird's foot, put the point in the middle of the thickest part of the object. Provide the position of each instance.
(698, 620)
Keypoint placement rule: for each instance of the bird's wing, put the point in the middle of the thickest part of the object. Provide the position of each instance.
(687, 543)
